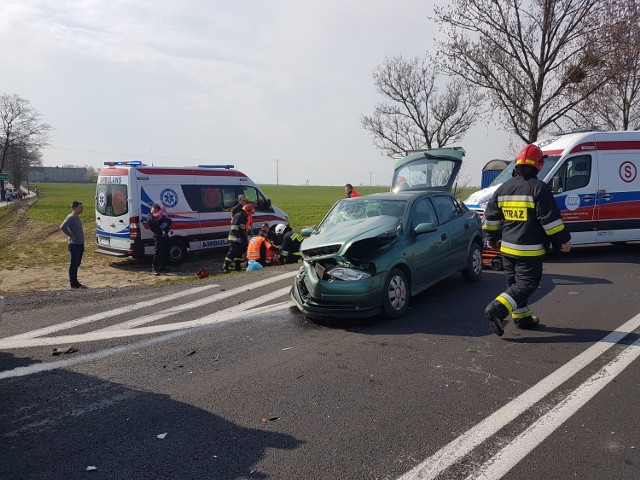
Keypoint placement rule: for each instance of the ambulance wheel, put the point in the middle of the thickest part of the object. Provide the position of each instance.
(177, 251)
(474, 263)
(395, 300)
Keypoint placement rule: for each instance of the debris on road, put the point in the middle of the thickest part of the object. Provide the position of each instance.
(63, 350)
(162, 435)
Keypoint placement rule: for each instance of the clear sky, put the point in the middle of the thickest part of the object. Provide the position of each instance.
(187, 82)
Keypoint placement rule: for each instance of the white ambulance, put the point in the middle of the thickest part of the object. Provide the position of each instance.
(594, 178)
(198, 200)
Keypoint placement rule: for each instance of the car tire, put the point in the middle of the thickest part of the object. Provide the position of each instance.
(395, 301)
(177, 251)
(474, 263)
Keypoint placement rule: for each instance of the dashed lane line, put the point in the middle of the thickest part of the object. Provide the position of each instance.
(461, 446)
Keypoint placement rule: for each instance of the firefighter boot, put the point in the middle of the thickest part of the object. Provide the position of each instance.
(225, 266)
(528, 322)
(238, 266)
(496, 314)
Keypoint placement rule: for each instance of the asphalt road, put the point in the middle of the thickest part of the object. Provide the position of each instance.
(223, 379)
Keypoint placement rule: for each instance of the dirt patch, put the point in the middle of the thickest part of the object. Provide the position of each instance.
(35, 258)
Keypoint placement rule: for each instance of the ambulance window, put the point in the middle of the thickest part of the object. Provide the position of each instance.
(575, 173)
(111, 199)
(210, 198)
(255, 197)
(229, 198)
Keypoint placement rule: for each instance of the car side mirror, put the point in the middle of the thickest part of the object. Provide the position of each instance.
(307, 232)
(424, 228)
(556, 185)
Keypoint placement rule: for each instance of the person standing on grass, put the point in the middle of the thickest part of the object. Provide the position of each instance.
(350, 191)
(72, 228)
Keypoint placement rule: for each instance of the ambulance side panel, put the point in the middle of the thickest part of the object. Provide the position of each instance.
(618, 195)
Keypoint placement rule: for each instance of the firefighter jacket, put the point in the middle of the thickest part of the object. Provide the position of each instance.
(238, 231)
(257, 249)
(291, 247)
(524, 215)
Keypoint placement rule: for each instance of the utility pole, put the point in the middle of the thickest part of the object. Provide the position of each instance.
(277, 160)
(370, 178)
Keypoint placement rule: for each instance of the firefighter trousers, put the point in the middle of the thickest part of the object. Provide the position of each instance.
(523, 275)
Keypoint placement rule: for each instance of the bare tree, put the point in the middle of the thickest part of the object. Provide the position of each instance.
(616, 105)
(415, 114)
(19, 162)
(22, 128)
(528, 56)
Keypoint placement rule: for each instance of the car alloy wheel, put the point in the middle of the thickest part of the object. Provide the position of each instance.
(396, 294)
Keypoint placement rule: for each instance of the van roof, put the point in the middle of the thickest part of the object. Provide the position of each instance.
(590, 141)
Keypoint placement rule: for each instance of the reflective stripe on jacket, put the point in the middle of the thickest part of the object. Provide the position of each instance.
(523, 214)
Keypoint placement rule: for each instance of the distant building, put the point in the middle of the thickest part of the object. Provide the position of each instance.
(58, 174)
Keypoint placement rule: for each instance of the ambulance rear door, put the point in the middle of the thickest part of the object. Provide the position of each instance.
(618, 194)
(112, 210)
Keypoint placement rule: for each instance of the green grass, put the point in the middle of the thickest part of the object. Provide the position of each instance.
(55, 202)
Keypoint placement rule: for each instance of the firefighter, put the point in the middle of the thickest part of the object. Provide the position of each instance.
(519, 220)
(261, 250)
(350, 191)
(290, 242)
(238, 237)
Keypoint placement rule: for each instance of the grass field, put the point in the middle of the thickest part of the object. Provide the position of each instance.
(306, 206)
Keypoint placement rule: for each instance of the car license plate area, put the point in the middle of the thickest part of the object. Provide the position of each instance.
(104, 240)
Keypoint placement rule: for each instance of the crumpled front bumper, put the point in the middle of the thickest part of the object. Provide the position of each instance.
(337, 298)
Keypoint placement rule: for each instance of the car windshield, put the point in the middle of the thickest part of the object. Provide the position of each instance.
(507, 173)
(359, 208)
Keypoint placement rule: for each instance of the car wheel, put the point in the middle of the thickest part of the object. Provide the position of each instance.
(177, 251)
(396, 294)
(474, 263)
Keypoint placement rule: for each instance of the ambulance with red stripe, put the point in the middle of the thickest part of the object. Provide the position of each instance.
(595, 178)
(198, 200)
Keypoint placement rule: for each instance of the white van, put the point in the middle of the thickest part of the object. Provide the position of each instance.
(594, 178)
(199, 201)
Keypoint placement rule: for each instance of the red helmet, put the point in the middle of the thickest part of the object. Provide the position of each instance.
(249, 208)
(531, 155)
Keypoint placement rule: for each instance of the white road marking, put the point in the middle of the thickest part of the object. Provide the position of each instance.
(68, 362)
(217, 317)
(111, 313)
(147, 303)
(523, 444)
(461, 446)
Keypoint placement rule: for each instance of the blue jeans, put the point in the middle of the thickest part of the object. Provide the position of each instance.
(76, 251)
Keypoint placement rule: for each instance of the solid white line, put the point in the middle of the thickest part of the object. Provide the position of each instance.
(128, 308)
(111, 313)
(217, 317)
(47, 366)
(500, 464)
(461, 446)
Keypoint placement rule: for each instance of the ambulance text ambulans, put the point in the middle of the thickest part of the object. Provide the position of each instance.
(198, 200)
(595, 180)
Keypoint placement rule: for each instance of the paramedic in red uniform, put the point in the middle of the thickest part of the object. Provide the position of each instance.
(518, 220)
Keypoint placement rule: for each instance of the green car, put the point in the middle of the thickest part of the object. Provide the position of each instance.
(371, 254)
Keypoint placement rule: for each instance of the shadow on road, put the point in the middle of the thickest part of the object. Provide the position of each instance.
(56, 424)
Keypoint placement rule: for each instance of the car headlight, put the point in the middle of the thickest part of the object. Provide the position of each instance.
(342, 273)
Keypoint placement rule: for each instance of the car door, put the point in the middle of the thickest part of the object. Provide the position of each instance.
(455, 226)
(429, 251)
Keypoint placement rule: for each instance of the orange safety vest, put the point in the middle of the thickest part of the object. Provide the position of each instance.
(255, 244)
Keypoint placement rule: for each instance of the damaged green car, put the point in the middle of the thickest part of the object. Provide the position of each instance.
(371, 254)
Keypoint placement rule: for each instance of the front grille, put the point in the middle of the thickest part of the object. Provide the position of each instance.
(320, 251)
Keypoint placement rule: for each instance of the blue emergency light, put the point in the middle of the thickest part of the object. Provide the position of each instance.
(132, 163)
(215, 166)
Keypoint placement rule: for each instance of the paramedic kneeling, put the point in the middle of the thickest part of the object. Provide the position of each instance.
(518, 220)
